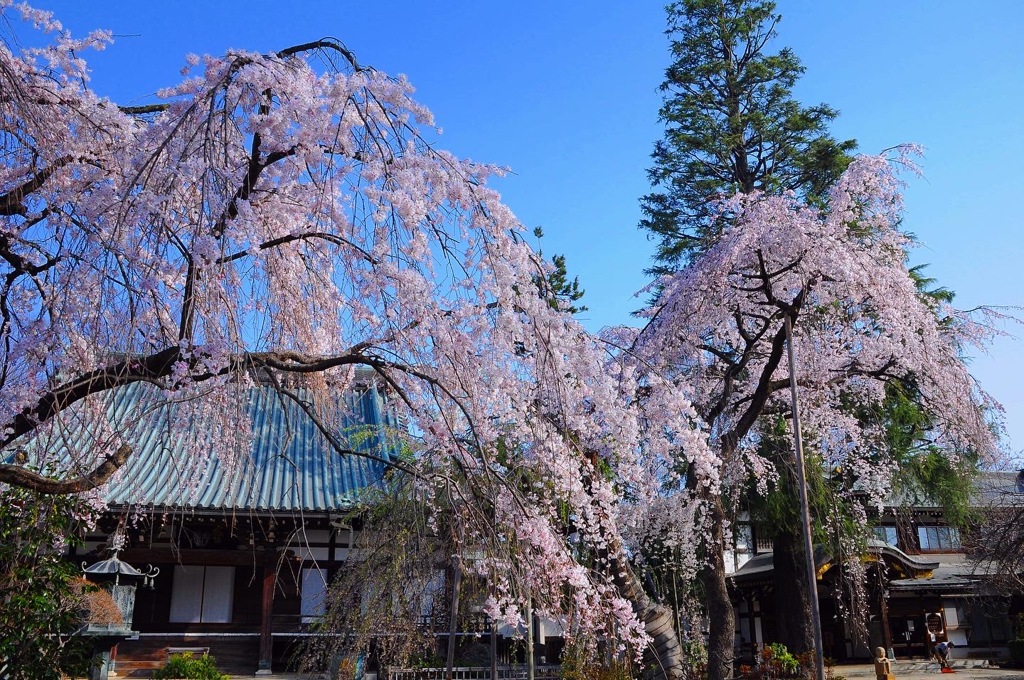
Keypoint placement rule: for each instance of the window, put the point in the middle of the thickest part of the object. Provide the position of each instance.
(935, 539)
(202, 594)
(744, 537)
(314, 594)
(886, 535)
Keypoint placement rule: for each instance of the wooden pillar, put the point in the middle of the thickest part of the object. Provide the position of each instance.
(266, 630)
(886, 630)
(494, 641)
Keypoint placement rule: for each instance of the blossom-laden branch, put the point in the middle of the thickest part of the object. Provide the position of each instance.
(838, 273)
(285, 214)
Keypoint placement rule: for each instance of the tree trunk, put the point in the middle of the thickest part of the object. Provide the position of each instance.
(722, 618)
(792, 598)
(665, 651)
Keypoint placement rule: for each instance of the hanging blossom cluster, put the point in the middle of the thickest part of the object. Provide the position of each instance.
(282, 216)
(839, 273)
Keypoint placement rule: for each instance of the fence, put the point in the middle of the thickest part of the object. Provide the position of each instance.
(473, 673)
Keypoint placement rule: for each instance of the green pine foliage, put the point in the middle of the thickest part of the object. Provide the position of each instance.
(560, 291)
(731, 125)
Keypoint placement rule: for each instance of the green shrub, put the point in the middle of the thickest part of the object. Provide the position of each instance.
(1016, 648)
(191, 668)
(787, 664)
(582, 662)
(776, 663)
(43, 605)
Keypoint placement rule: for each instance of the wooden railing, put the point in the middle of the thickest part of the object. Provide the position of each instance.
(474, 623)
(517, 672)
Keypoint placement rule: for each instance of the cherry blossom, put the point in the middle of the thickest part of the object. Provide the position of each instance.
(275, 220)
(284, 218)
(716, 337)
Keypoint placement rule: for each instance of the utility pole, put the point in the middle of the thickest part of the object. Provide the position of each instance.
(530, 660)
(453, 624)
(805, 513)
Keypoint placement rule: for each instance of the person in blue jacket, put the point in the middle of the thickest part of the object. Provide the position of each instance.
(941, 653)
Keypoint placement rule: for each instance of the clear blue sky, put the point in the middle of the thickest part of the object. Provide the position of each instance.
(566, 95)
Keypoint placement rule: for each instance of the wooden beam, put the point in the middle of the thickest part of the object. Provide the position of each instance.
(223, 558)
(266, 629)
(884, 606)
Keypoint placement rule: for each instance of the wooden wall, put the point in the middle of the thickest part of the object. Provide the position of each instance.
(139, 658)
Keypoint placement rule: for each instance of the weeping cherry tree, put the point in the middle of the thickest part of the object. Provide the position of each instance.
(838, 273)
(283, 219)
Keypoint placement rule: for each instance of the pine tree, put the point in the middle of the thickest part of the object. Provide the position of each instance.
(731, 125)
(560, 291)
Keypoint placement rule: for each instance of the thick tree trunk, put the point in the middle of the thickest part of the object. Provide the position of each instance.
(665, 651)
(792, 597)
(722, 618)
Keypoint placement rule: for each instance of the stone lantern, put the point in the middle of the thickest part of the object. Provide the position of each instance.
(105, 636)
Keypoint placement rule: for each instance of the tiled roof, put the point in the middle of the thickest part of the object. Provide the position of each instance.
(999, 488)
(954, 571)
(291, 466)
(764, 564)
(990, 488)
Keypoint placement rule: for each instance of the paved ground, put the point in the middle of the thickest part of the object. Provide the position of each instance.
(903, 670)
(919, 670)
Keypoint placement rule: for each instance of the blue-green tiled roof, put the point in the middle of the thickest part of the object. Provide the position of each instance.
(291, 467)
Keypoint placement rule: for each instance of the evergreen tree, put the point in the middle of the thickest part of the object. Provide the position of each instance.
(731, 125)
(44, 602)
(560, 291)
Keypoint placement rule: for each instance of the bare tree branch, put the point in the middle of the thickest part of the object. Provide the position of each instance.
(17, 475)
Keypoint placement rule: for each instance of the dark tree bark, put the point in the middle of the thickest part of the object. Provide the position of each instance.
(722, 618)
(665, 651)
(16, 475)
